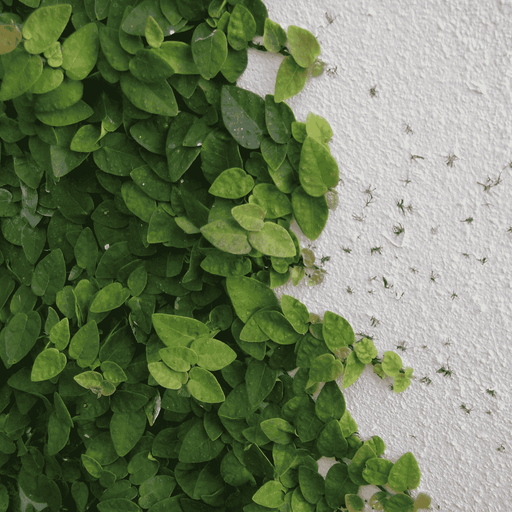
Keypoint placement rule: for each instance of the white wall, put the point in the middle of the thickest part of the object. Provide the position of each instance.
(443, 68)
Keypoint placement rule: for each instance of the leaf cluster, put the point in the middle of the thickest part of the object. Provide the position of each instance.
(145, 211)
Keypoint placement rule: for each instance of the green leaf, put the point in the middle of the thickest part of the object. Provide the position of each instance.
(49, 276)
(204, 386)
(347, 424)
(296, 313)
(279, 118)
(273, 153)
(303, 46)
(126, 428)
(405, 473)
(227, 235)
(278, 430)
(135, 22)
(400, 383)
(178, 330)
(66, 95)
(299, 131)
(276, 327)
(22, 73)
(353, 370)
(337, 485)
(48, 364)
(220, 263)
(354, 503)
(86, 250)
(4, 498)
(153, 32)
(66, 117)
(155, 98)
(118, 155)
(377, 471)
(86, 139)
(249, 295)
(273, 240)
(331, 442)
(59, 334)
(232, 184)
(33, 241)
(111, 297)
(311, 213)
(312, 484)
(325, 368)
(270, 494)
(137, 201)
(85, 344)
(274, 37)
(142, 468)
(117, 504)
(19, 336)
(58, 433)
(249, 216)
(290, 79)
(113, 372)
(391, 363)
(80, 52)
(365, 351)
(318, 169)
(198, 447)
(149, 67)
(308, 425)
(356, 467)
(241, 27)
(212, 354)
(243, 113)
(299, 503)
(330, 404)
(155, 490)
(179, 56)
(271, 200)
(318, 128)
(209, 50)
(337, 332)
(234, 65)
(95, 382)
(44, 26)
(112, 49)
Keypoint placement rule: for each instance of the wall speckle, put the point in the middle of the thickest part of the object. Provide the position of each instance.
(443, 69)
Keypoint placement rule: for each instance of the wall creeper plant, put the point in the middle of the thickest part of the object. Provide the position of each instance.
(145, 210)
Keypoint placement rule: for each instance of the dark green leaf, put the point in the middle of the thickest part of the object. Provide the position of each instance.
(337, 485)
(198, 447)
(126, 429)
(19, 336)
(356, 467)
(148, 66)
(209, 50)
(49, 276)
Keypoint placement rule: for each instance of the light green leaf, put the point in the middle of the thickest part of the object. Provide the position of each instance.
(325, 368)
(365, 350)
(232, 184)
(95, 382)
(337, 332)
(80, 52)
(220, 263)
(354, 503)
(405, 473)
(243, 113)
(273, 153)
(318, 169)
(241, 27)
(153, 32)
(271, 200)
(86, 139)
(113, 372)
(204, 386)
(276, 327)
(273, 240)
(178, 358)
(400, 383)
(274, 37)
(212, 354)
(49, 80)
(209, 50)
(178, 330)
(48, 364)
(279, 118)
(155, 98)
(227, 235)
(270, 494)
(303, 46)
(391, 363)
(290, 79)
(59, 334)
(377, 471)
(296, 313)
(278, 430)
(111, 297)
(179, 56)
(66, 117)
(353, 370)
(318, 128)
(44, 26)
(249, 216)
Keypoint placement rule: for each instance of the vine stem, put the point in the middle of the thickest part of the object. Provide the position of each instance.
(261, 48)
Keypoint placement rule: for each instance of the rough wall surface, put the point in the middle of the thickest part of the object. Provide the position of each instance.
(443, 74)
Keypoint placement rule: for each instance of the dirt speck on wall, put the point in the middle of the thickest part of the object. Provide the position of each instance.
(426, 168)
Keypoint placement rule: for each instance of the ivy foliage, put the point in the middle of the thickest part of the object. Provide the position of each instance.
(145, 211)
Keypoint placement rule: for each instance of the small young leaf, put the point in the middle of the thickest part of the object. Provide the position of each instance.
(325, 368)
(318, 128)
(405, 473)
(391, 363)
(153, 32)
(365, 350)
(377, 471)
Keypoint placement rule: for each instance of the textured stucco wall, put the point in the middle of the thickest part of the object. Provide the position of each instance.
(443, 67)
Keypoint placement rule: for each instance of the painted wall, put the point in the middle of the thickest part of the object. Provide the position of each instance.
(442, 68)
